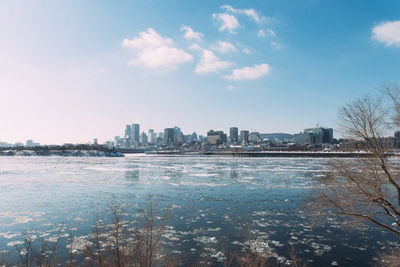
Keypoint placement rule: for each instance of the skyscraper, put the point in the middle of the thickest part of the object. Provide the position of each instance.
(135, 132)
(152, 136)
(244, 136)
(233, 134)
(177, 130)
(169, 135)
(143, 138)
(128, 131)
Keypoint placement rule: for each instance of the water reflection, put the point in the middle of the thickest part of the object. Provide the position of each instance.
(132, 176)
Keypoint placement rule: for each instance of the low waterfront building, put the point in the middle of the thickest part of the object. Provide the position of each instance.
(314, 136)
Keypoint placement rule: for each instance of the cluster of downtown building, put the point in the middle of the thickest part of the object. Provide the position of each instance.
(174, 138)
(28, 143)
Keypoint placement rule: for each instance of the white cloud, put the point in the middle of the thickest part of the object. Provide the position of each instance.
(230, 87)
(209, 62)
(224, 47)
(387, 33)
(248, 12)
(276, 45)
(246, 51)
(265, 33)
(228, 22)
(150, 38)
(155, 51)
(249, 73)
(195, 47)
(190, 33)
(261, 33)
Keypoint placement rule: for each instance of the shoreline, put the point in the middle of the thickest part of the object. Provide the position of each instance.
(272, 154)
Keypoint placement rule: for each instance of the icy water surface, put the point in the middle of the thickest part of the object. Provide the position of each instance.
(211, 197)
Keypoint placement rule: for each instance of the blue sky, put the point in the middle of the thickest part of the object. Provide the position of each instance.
(71, 71)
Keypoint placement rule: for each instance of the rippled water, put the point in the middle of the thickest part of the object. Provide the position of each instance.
(212, 197)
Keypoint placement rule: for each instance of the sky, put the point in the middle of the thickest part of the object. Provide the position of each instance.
(71, 71)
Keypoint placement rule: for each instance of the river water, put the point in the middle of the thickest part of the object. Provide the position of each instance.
(213, 201)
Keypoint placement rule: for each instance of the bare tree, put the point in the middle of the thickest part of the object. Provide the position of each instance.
(394, 93)
(388, 258)
(25, 252)
(367, 188)
(118, 245)
(148, 235)
(30, 254)
(95, 252)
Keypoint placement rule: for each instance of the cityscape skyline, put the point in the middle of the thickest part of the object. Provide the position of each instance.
(134, 132)
(73, 70)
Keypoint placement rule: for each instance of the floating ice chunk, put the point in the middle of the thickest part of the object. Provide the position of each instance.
(214, 229)
(206, 239)
(79, 243)
(277, 243)
(14, 243)
(280, 259)
(9, 235)
(334, 263)
(52, 239)
(320, 249)
(220, 256)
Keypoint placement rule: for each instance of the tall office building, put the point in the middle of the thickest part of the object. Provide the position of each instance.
(152, 136)
(169, 135)
(143, 138)
(128, 131)
(233, 134)
(244, 136)
(135, 132)
(177, 130)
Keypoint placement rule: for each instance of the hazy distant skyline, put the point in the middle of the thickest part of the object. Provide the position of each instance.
(71, 71)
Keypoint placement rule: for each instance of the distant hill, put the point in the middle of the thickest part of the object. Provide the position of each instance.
(278, 136)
